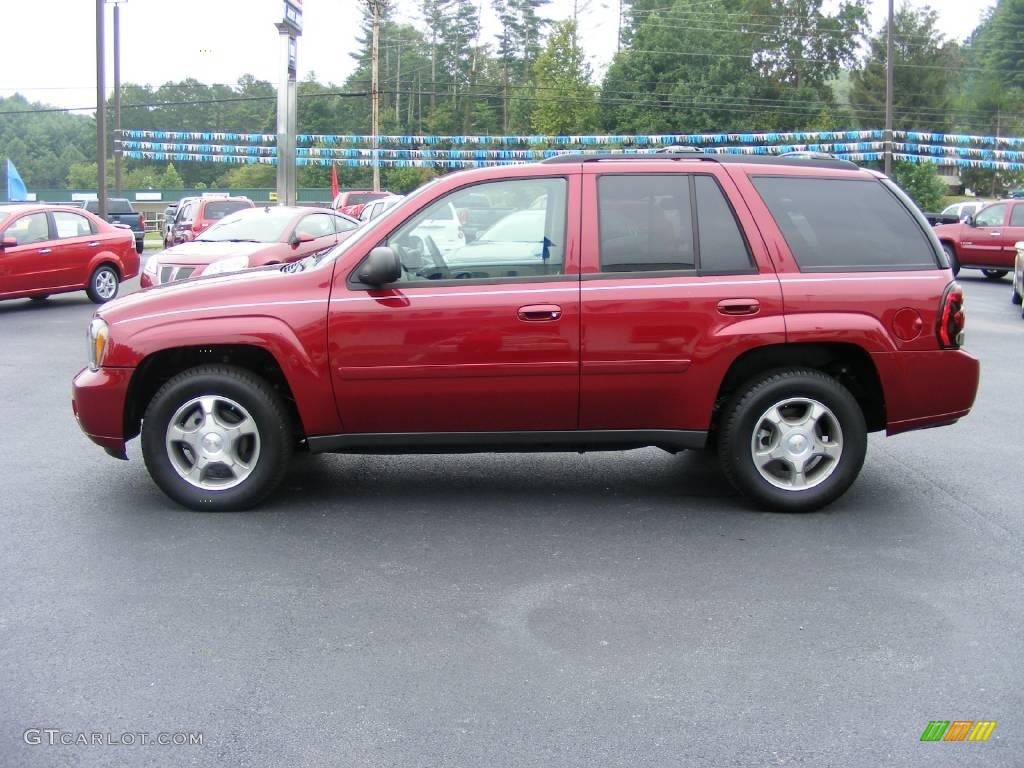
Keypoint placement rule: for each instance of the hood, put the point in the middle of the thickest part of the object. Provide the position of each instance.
(199, 292)
(204, 252)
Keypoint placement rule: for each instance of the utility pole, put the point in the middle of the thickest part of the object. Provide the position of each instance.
(375, 8)
(117, 97)
(289, 28)
(101, 117)
(889, 64)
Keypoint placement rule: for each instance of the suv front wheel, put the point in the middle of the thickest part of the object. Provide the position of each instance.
(793, 440)
(216, 438)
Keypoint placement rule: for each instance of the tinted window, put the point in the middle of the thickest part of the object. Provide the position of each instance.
(355, 198)
(1017, 216)
(645, 223)
(29, 229)
(835, 225)
(217, 211)
(722, 247)
(71, 224)
(119, 205)
(522, 242)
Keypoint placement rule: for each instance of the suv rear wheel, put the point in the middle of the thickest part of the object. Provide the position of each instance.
(216, 438)
(793, 440)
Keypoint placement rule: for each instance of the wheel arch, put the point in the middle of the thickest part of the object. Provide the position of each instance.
(160, 366)
(850, 364)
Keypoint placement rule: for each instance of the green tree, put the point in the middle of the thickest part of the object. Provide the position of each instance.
(565, 101)
(922, 184)
(925, 72)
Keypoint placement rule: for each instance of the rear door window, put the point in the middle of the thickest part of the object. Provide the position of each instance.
(71, 224)
(723, 250)
(845, 225)
(646, 224)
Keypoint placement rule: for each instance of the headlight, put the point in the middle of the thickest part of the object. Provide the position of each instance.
(233, 264)
(97, 334)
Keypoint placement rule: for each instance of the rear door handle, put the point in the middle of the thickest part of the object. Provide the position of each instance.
(739, 306)
(46, 250)
(995, 234)
(540, 312)
(94, 243)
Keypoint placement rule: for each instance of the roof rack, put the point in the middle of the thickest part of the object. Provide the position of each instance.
(802, 162)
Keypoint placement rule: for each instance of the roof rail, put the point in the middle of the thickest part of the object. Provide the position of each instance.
(799, 162)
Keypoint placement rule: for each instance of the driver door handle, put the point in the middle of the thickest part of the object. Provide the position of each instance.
(540, 312)
(94, 243)
(46, 250)
(994, 234)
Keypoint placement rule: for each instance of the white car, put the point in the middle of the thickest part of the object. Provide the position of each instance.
(375, 208)
(444, 230)
(964, 208)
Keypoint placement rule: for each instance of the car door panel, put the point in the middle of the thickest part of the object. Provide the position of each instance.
(655, 345)
(31, 265)
(459, 355)
(984, 243)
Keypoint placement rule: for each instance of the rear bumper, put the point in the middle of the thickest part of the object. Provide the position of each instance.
(97, 400)
(927, 389)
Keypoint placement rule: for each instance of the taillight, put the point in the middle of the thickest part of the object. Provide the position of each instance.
(142, 220)
(950, 329)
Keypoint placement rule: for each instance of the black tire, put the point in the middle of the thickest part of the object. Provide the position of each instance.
(1015, 295)
(140, 246)
(995, 274)
(954, 262)
(259, 402)
(740, 423)
(100, 281)
(40, 297)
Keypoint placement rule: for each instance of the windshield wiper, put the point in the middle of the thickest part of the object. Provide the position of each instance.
(228, 240)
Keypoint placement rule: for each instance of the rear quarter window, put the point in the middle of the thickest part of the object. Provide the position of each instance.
(845, 225)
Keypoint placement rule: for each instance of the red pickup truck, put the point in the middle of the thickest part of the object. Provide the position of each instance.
(733, 304)
(985, 240)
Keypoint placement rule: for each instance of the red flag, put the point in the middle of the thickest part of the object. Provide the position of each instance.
(334, 181)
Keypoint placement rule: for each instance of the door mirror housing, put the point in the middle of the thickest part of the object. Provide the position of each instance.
(8, 242)
(381, 267)
(297, 239)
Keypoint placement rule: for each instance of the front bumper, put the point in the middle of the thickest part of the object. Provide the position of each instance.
(98, 399)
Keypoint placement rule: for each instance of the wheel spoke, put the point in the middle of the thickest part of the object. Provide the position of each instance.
(190, 437)
(798, 479)
(196, 473)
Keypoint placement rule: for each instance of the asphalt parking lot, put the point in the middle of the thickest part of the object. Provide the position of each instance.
(541, 610)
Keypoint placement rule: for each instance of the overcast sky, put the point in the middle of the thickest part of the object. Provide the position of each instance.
(48, 51)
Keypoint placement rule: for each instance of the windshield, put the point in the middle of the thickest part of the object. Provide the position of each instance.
(259, 225)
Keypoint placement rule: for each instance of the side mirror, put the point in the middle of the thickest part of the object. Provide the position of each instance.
(969, 220)
(8, 242)
(380, 267)
(297, 239)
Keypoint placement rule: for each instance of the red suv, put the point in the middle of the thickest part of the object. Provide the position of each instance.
(196, 215)
(985, 240)
(48, 249)
(678, 301)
